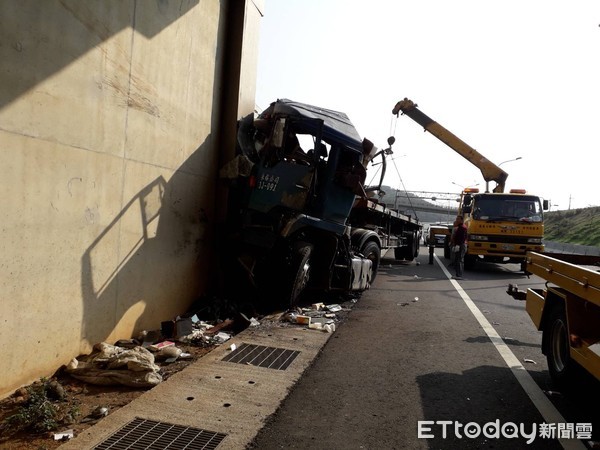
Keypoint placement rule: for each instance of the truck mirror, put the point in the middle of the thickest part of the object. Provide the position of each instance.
(546, 205)
(278, 133)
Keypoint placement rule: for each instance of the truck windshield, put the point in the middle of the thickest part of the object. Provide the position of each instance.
(518, 208)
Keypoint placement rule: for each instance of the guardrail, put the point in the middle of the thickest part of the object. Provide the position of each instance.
(561, 247)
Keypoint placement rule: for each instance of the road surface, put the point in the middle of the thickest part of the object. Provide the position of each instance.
(426, 362)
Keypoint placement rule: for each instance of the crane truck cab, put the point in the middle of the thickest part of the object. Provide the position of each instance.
(501, 227)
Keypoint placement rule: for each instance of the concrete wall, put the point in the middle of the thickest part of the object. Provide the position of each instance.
(109, 120)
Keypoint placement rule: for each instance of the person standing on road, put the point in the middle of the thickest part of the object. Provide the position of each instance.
(459, 243)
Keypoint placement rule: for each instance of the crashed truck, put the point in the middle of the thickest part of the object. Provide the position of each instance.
(300, 216)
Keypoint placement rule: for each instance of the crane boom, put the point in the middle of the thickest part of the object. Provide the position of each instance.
(489, 170)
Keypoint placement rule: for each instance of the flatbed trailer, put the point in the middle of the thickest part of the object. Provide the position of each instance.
(567, 311)
(395, 230)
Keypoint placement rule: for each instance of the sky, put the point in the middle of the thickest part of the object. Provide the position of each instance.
(511, 78)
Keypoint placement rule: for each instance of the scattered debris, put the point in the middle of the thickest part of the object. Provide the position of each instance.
(160, 345)
(334, 308)
(97, 414)
(553, 394)
(495, 323)
(64, 435)
(530, 361)
(112, 365)
(416, 299)
(404, 304)
(222, 337)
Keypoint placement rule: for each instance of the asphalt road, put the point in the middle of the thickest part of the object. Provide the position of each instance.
(412, 360)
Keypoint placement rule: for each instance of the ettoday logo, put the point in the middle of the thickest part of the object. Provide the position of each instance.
(426, 429)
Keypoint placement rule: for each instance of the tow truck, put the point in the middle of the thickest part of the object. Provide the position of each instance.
(567, 311)
(303, 219)
(501, 226)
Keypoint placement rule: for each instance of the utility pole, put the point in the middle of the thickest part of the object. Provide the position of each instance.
(569, 202)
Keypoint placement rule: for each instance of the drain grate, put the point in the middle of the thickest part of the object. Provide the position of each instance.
(261, 356)
(142, 434)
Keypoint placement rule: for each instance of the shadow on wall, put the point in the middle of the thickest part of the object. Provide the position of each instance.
(49, 35)
(162, 240)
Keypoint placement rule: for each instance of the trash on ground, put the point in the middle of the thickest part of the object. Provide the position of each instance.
(553, 393)
(112, 365)
(64, 435)
(97, 414)
(416, 299)
(169, 352)
(303, 320)
(530, 361)
(160, 345)
(232, 347)
(334, 307)
(222, 337)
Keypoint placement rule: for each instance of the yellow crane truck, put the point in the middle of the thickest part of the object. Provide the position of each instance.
(567, 311)
(501, 226)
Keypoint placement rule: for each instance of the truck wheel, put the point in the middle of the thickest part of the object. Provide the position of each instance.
(372, 251)
(470, 261)
(411, 247)
(556, 337)
(417, 244)
(299, 271)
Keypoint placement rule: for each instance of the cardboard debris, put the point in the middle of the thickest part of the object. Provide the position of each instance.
(161, 345)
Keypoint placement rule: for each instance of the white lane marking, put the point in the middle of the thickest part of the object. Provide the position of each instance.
(533, 391)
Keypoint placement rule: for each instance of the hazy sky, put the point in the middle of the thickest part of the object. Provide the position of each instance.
(511, 78)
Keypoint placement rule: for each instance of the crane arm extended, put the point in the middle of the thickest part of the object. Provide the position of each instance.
(489, 170)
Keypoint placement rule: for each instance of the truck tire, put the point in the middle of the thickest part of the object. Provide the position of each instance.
(299, 271)
(410, 250)
(372, 251)
(556, 339)
(417, 245)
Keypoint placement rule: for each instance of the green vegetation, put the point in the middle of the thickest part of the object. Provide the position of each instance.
(575, 226)
(40, 410)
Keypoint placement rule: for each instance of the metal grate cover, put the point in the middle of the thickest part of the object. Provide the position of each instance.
(261, 356)
(142, 434)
